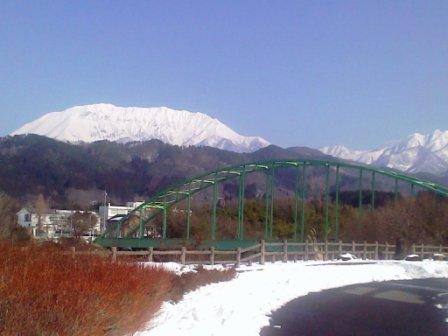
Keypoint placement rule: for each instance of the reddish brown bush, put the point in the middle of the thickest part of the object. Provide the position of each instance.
(44, 292)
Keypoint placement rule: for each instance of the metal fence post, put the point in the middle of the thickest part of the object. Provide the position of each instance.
(306, 250)
(386, 252)
(212, 255)
(151, 254)
(326, 250)
(73, 251)
(262, 252)
(285, 250)
(238, 257)
(183, 255)
(114, 254)
(376, 250)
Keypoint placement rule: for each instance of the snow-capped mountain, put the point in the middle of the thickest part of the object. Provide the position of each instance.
(417, 153)
(95, 122)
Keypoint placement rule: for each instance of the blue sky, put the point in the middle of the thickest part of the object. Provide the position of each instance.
(310, 73)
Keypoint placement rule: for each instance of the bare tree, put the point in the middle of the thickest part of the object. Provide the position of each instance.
(41, 207)
(82, 223)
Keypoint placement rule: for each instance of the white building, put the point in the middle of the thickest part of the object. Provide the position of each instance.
(109, 211)
(53, 223)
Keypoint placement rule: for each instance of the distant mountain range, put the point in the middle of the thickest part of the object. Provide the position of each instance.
(417, 154)
(90, 123)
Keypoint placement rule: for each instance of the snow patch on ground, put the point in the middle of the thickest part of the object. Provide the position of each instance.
(181, 269)
(245, 302)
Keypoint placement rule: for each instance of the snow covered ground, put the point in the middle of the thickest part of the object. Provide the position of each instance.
(180, 269)
(243, 304)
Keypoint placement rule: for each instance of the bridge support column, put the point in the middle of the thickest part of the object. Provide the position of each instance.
(141, 227)
(302, 224)
(269, 216)
(372, 207)
(214, 205)
(241, 195)
(188, 215)
(267, 200)
(360, 191)
(296, 204)
(396, 190)
(164, 221)
(327, 201)
(118, 233)
(336, 208)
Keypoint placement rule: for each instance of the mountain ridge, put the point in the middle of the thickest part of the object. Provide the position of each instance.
(417, 153)
(96, 122)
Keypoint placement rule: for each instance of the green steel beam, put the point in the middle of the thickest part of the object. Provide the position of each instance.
(215, 201)
(372, 207)
(296, 204)
(360, 191)
(141, 228)
(164, 223)
(118, 233)
(336, 208)
(182, 190)
(327, 202)
(396, 189)
(383, 171)
(188, 216)
(271, 216)
(241, 195)
(267, 206)
(302, 221)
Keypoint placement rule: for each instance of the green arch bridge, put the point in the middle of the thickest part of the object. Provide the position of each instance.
(132, 231)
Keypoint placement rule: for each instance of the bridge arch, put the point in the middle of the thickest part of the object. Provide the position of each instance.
(160, 203)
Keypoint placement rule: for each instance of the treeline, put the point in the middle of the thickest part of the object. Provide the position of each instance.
(409, 220)
(9, 230)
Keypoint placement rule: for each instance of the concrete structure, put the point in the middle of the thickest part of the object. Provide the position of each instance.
(54, 223)
(109, 211)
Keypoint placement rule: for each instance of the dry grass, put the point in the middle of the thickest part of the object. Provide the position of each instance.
(190, 281)
(44, 292)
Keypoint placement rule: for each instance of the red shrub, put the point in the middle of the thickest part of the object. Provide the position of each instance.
(44, 292)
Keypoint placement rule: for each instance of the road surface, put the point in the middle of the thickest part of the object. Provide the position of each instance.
(410, 307)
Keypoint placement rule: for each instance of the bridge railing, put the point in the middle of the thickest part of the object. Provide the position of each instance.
(426, 251)
(273, 251)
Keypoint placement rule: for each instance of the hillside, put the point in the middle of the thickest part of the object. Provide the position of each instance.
(79, 173)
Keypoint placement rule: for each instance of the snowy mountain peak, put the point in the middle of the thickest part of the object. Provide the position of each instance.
(417, 153)
(89, 123)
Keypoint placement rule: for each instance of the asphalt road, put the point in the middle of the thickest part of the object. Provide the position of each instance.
(410, 307)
